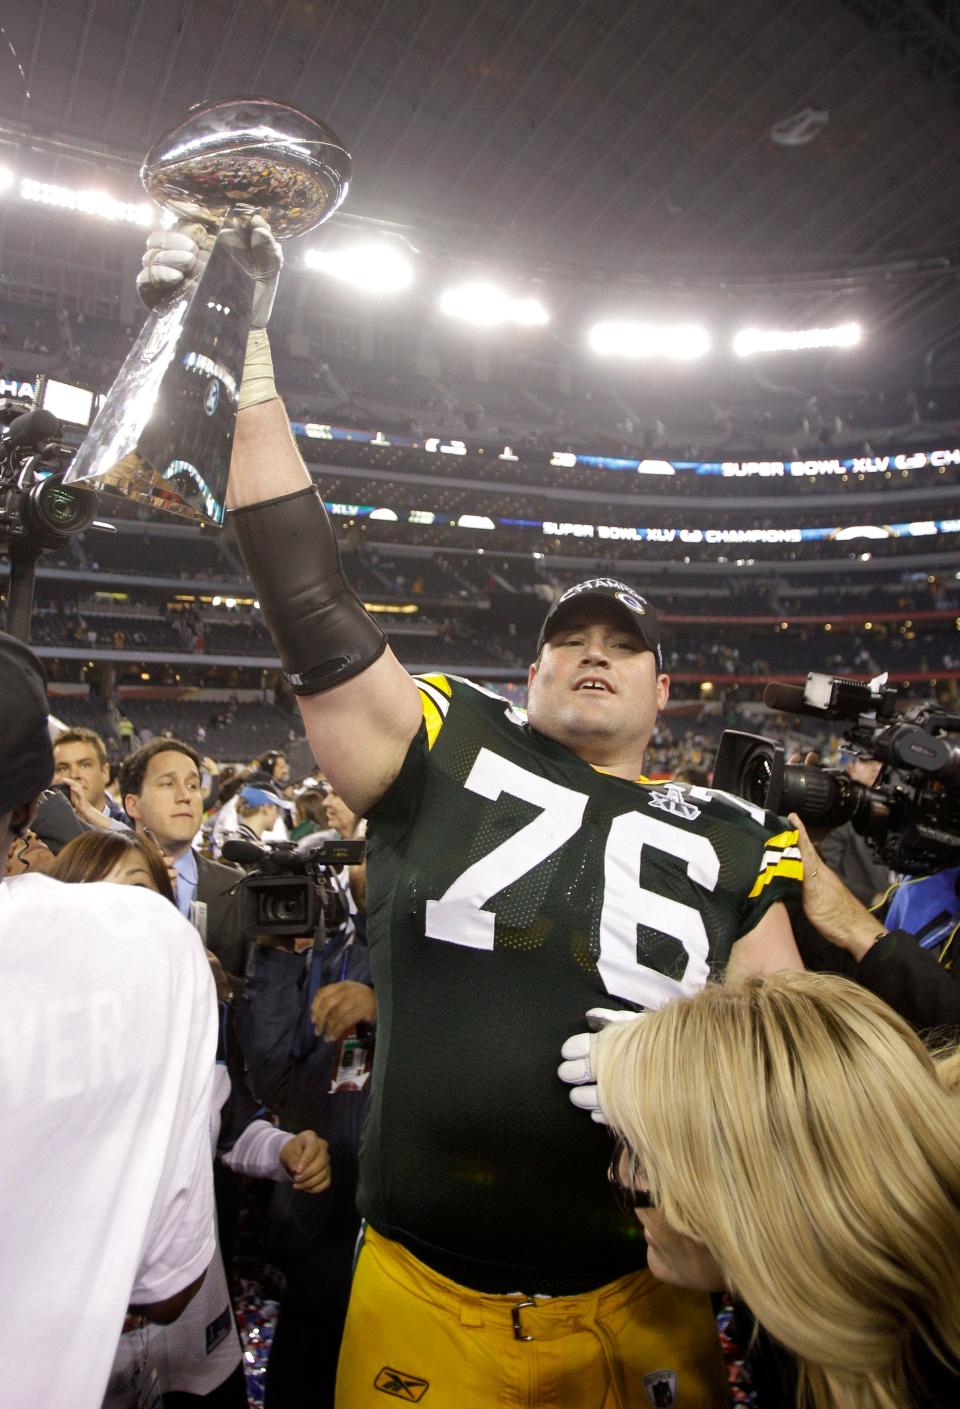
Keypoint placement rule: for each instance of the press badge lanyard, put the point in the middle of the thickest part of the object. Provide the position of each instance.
(345, 960)
(316, 966)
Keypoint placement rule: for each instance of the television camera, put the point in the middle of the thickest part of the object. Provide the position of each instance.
(289, 890)
(911, 814)
(38, 512)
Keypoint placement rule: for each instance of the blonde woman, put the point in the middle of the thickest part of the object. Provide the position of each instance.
(791, 1139)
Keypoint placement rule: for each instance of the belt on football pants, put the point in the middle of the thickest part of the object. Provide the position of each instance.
(526, 1318)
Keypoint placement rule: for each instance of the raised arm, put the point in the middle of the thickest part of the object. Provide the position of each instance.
(360, 707)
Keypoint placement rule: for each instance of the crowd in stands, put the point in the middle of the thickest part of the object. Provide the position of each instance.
(534, 419)
(456, 642)
(222, 729)
(28, 330)
(540, 469)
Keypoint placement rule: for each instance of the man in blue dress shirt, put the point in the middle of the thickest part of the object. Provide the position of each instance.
(163, 797)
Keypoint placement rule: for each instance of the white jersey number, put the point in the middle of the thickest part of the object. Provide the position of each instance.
(458, 917)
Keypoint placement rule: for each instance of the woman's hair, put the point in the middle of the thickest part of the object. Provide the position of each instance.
(308, 807)
(232, 786)
(92, 856)
(796, 1126)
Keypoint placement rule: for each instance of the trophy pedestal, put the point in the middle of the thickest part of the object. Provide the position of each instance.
(164, 433)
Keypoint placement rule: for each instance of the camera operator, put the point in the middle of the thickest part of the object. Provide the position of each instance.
(900, 799)
(890, 963)
(302, 997)
(850, 854)
(928, 907)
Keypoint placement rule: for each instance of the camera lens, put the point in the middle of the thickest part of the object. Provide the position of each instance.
(756, 780)
(53, 508)
(62, 508)
(817, 795)
(282, 907)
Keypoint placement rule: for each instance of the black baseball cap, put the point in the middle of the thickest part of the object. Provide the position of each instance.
(26, 754)
(636, 610)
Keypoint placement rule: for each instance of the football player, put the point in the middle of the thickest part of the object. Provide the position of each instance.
(521, 871)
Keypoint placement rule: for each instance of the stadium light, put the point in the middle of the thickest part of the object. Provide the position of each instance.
(97, 203)
(680, 342)
(486, 306)
(753, 340)
(375, 267)
(7, 179)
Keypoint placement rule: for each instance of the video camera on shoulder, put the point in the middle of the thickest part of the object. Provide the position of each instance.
(35, 505)
(910, 816)
(290, 891)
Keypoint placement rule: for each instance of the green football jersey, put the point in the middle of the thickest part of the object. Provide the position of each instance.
(512, 886)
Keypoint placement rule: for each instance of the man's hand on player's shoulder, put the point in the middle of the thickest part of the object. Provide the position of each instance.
(833, 910)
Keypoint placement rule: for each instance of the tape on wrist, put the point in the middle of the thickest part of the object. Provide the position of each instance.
(258, 383)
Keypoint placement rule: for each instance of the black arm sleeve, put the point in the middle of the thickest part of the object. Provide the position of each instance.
(318, 623)
(909, 978)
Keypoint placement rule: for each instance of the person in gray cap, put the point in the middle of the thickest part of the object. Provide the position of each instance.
(521, 871)
(106, 1068)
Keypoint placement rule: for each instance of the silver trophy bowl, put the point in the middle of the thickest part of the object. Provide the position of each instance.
(250, 152)
(164, 434)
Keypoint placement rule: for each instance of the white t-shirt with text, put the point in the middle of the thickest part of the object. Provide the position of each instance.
(106, 1062)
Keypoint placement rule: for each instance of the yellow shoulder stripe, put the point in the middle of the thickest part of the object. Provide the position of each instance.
(439, 682)
(789, 870)
(431, 717)
(781, 858)
(435, 693)
(783, 839)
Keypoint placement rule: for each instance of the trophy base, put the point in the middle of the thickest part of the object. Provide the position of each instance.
(180, 491)
(164, 434)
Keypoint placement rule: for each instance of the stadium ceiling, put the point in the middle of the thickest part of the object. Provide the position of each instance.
(614, 141)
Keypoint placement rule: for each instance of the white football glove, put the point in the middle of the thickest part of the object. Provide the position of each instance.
(173, 256)
(170, 259)
(576, 1069)
(257, 250)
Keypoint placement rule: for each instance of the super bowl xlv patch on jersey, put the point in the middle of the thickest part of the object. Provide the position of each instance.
(512, 886)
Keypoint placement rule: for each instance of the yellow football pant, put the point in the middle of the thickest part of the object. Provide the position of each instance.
(414, 1336)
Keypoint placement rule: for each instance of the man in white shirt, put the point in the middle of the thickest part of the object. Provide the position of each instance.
(106, 1064)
